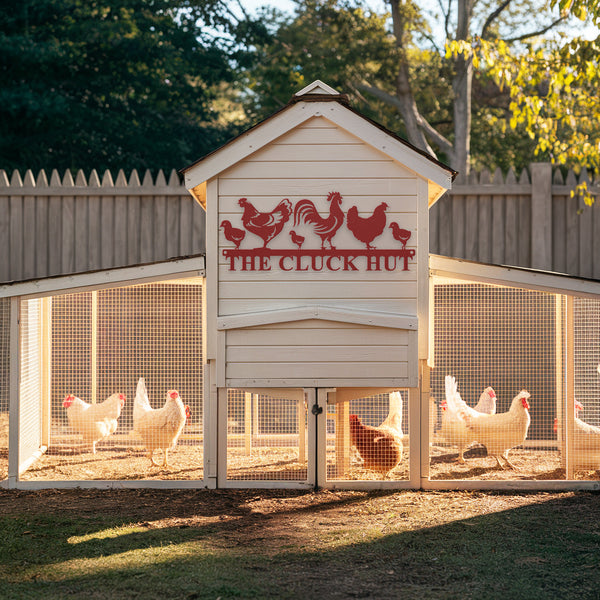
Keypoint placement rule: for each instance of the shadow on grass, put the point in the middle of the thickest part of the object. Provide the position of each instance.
(550, 549)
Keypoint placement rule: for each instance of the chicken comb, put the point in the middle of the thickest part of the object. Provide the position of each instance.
(173, 394)
(492, 394)
(69, 399)
(443, 405)
(122, 397)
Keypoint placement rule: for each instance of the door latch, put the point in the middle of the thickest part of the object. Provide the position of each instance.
(316, 409)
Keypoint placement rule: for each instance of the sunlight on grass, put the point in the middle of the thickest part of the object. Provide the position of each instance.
(104, 535)
(132, 560)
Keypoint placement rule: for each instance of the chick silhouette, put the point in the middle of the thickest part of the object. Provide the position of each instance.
(232, 234)
(402, 235)
(297, 239)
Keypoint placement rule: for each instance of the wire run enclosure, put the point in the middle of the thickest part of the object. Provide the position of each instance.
(514, 334)
(106, 381)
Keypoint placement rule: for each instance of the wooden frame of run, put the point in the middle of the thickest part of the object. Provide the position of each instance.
(443, 268)
(46, 288)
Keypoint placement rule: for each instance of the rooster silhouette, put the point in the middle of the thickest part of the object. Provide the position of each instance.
(306, 212)
(265, 225)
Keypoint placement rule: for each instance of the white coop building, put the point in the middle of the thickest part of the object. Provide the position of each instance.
(317, 297)
(317, 342)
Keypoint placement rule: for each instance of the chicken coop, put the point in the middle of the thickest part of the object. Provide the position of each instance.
(317, 342)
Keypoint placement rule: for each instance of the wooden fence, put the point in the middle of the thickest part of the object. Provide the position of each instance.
(530, 221)
(71, 225)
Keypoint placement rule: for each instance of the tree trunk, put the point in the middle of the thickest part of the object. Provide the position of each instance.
(462, 87)
(407, 105)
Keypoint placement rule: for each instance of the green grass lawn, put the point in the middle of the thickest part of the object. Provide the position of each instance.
(288, 545)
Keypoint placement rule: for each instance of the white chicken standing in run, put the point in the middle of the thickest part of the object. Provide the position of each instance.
(586, 441)
(454, 429)
(94, 422)
(500, 433)
(159, 428)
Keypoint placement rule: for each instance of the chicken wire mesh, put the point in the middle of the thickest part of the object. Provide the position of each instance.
(114, 350)
(367, 438)
(4, 383)
(266, 436)
(511, 340)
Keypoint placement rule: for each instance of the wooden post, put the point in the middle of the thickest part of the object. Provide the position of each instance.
(570, 395)
(248, 423)
(541, 216)
(46, 368)
(15, 375)
(301, 415)
(94, 350)
(342, 437)
(559, 378)
(419, 447)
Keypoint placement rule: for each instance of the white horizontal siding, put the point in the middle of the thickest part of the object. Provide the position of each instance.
(252, 305)
(300, 290)
(315, 349)
(320, 333)
(310, 162)
(325, 354)
(317, 186)
(317, 370)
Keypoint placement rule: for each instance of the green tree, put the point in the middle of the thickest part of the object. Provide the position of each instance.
(553, 90)
(400, 73)
(111, 84)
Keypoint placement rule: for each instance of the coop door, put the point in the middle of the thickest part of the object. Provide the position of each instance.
(363, 437)
(268, 437)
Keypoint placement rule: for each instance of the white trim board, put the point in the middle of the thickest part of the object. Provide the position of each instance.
(323, 313)
(176, 269)
(529, 279)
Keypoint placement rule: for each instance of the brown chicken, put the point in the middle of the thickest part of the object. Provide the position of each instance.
(266, 225)
(306, 212)
(366, 229)
(380, 447)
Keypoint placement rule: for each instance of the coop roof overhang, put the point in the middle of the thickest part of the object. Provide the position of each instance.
(324, 313)
(518, 277)
(319, 101)
(146, 273)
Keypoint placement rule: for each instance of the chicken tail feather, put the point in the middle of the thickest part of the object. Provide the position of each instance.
(141, 404)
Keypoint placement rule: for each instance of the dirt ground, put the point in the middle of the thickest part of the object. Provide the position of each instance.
(270, 517)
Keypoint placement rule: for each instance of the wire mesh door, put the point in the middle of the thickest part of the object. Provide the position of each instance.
(365, 435)
(126, 383)
(268, 437)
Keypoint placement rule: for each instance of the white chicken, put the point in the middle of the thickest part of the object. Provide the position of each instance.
(94, 422)
(500, 433)
(586, 443)
(393, 422)
(454, 429)
(159, 428)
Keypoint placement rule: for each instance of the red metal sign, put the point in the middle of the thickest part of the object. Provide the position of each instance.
(268, 225)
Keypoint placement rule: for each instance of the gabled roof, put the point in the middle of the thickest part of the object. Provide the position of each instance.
(318, 100)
